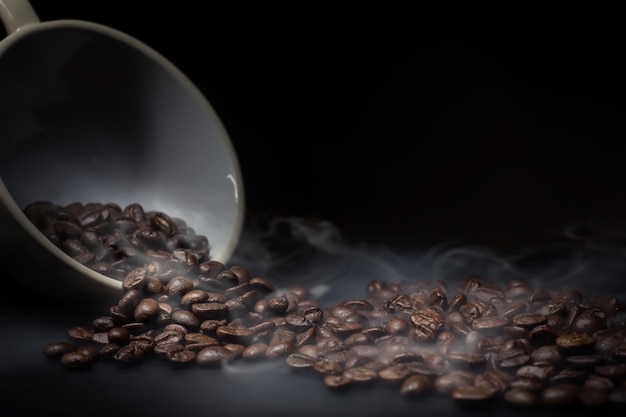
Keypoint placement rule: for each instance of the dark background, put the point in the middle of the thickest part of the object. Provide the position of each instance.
(402, 127)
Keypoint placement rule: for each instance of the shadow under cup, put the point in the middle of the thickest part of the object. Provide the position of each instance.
(95, 116)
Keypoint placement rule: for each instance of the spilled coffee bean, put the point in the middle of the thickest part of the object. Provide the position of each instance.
(475, 341)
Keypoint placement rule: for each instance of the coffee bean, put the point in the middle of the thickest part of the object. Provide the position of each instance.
(569, 376)
(596, 382)
(584, 361)
(613, 370)
(470, 394)
(489, 324)
(336, 381)
(396, 325)
(485, 342)
(360, 374)
(255, 351)
(520, 397)
(178, 286)
(593, 398)
(574, 341)
(416, 385)
(213, 356)
(186, 318)
(146, 310)
(448, 382)
(496, 382)
(327, 367)
(560, 395)
(529, 320)
(527, 384)
(75, 360)
(80, 333)
(91, 352)
(57, 349)
(181, 356)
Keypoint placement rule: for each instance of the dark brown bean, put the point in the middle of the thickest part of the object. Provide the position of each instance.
(57, 349)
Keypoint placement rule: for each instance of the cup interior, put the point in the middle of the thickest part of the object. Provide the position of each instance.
(92, 115)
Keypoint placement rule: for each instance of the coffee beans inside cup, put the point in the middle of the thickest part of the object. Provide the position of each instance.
(475, 341)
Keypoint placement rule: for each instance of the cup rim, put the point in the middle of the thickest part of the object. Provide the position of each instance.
(7, 199)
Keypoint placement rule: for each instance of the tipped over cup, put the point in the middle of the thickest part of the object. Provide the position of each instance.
(90, 114)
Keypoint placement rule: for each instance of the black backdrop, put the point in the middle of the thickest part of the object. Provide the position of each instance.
(404, 127)
(400, 127)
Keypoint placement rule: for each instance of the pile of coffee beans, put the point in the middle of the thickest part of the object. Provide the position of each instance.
(476, 341)
(114, 241)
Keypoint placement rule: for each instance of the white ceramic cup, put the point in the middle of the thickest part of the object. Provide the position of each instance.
(90, 114)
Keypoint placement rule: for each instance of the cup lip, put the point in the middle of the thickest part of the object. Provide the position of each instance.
(186, 83)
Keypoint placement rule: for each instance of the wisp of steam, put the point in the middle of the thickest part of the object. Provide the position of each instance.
(589, 256)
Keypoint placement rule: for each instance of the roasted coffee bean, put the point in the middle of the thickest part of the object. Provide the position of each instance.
(129, 300)
(242, 274)
(255, 351)
(153, 286)
(496, 382)
(194, 296)
(234, 333)
(359, 305)
(613, 370)
(118, 335)
(186, 318)
(512, 358)
(57, 349)
(427, 322)
(211, 269)
(529, 320)
(360, 374)
(262, 285)
(489, 324)
(75, 360)
(327, 367)
(527, 384)
(514, 310)
(91, 352)
(560, 395)
(278, 304)
(546, 354)
(593, 398)
(131, 353)
(100, 337)
(584, 361)
(395, 373)
(135, 279)
(146, 310)
(178, 286)
(438, 299)
(213, 356)
(396, 325)
(569, 376)
(210, 310)
(446, 383)
(589, 322)
(470, 394)
(574, 341)
(520, 397)
(337, 381)
(80, 333)
(416, 385)
(181, 356)
(596, 382)
(542, 335)
(539, 373)
(485, 342)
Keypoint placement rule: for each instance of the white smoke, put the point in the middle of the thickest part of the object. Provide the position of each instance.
(313, 252)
